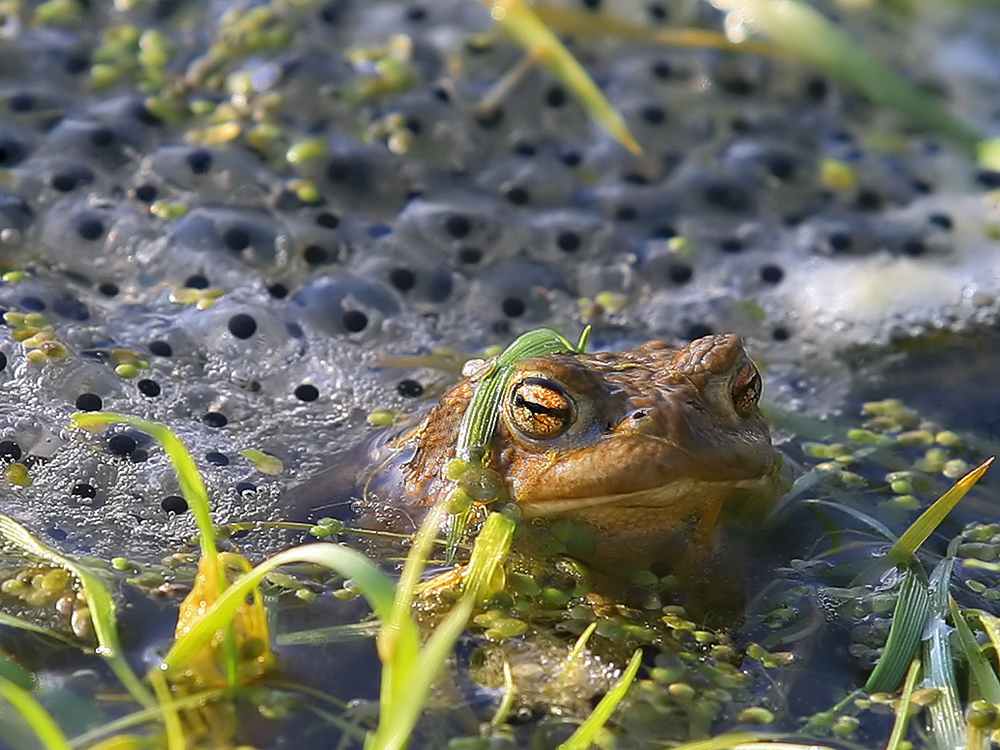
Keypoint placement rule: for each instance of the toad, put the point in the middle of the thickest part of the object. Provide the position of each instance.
(635, 445)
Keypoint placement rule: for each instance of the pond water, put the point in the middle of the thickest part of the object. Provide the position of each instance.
(271, 225)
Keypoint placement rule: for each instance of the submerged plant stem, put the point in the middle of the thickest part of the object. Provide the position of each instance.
(34, 715)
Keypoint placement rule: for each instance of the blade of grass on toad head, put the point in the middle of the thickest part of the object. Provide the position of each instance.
(521, 23)
(100, 604)
(479, 422)
(586, 733)
(34, 715)
(806, 34)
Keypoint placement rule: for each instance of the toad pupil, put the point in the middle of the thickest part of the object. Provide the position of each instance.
(549, 410)
(661, 439)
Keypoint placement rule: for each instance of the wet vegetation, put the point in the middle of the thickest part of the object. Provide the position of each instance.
(491, 633)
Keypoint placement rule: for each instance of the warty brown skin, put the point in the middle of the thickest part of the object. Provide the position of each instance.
(635, 444)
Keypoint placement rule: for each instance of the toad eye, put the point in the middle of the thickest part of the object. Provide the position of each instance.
(746, 389)
(540, 409)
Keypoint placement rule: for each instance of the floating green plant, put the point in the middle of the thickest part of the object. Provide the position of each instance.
(919, 616)
(100, 604)
(220, 606)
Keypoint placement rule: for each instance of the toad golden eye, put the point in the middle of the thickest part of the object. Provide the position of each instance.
(540, 409)
(746, 389)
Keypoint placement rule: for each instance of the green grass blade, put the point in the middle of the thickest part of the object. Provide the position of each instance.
(722, 742)
(873, 523)
(479, 422)
(112, 729)
(991, 624)
(193, 489)
(174, 732)
(397, 641)
(408, 673)
(586, 733)
(191, 484)
(489, 552)
(13, 673)
(507, 701)
(576, 22)
(13, 622)
(918, 531)
(100, 603)
(352, 631)
(373, 584)
(947, 719)
(903, 708)
(982, 670)
(806, 34)
(908, 622)
(397, 719)
(475, 432)
(34, 714)
(525, 28)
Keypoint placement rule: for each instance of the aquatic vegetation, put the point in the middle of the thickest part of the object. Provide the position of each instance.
(795, 28)
(222, 637)
(519, 20)
(220, 217)
(100, 606)
(222, 641)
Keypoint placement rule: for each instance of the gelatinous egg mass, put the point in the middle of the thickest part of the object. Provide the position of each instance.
(223, 216)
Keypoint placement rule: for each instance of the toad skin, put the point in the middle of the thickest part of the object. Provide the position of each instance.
(635, 445)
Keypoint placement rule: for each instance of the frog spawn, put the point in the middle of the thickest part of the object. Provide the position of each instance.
(131, 224)
(728, 205)
(324, 262)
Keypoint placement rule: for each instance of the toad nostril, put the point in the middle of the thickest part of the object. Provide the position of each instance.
(639, 414)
